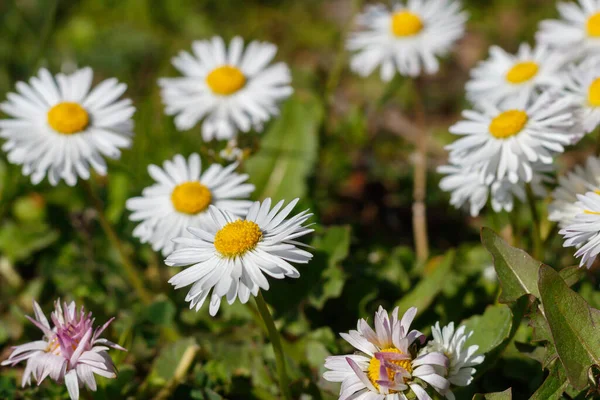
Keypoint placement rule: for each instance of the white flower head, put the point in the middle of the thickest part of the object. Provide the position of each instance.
(230, 256)
(71, 351)
(461, 359)
(508, 140)
(504, 77)
(577, 33)
(582, 85)
(180, 199)
(583, 231)
(61, 126)
(230, 89)
(580, 180)
(387, 366)
(407, 39)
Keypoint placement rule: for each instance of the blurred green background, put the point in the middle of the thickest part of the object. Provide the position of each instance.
(344, 151)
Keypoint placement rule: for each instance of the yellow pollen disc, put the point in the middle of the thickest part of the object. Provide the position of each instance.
(522, 72)
(374, 374)
(191, 197)
(508, 124)
(593, 25)
(225, 80)
(236, 238)
(594, 93)
(68, 118)
(405, 23)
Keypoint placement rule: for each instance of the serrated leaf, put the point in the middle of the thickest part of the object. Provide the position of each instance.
(506, 395)
(491, 328)
(288, 151)
(554, 385)
(573, 325)
(517, 271)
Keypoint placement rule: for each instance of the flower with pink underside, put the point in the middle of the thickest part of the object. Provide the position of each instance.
(70, 352)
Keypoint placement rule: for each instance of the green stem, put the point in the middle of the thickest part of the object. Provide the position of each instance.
(130, 271)
(44, 35)
(536, 232)
(284, 382)
(419, 209)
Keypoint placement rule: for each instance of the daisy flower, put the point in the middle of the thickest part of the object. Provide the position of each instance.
(61, 127)
(582, 84)
(407, 39)
(230, 256)
(231, 89)
(577, 33)
(580, 180)
(71, 351)
(583, 231)
(504, 77)
(451, 343)
(387, 366)
(180, 199)
(507, 140)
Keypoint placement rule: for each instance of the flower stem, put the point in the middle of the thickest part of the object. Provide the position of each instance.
(536, 231)
(130, 271)
(263, 309)
(419, 210)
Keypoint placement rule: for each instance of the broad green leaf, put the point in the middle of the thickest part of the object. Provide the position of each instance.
(491, 328)
(506, 395)
(161, 311)
(573, 324)
(288, 151)
(572, 275)
(165, 365)
(517, 270)
(429, 287)
(554, 385)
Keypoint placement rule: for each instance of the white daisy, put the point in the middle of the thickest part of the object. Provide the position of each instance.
(580, 180)
(61, 128)
(583, 231)
(230, 256)
(231, 89)
(451, 343)
(582, 84)
(504, 77)
(577, 33)
(507, 140)
(407, 39)
(387, 366)
(180, 198)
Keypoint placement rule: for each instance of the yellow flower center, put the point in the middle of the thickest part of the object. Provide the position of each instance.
(522, 72)
(225, 80)
(191, 197)
(68, 118)
(406, 23)
(594, 93)
(508, 124)
(236, 238)
(593, 25)
(374, 373)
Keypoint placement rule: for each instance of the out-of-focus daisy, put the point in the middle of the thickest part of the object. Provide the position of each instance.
(451, 343)
(504, 77)
(71, 351)
(580, 180)
(231, 89)
(467, 189)
(582, 84)
(583, 231)
(507, 140)
(407, 39)
(60, 127)
(230, 256)
(232, 152)
(181, 196)
(577, 33)
(387, 366)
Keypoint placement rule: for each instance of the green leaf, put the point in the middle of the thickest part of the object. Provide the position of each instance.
(573, 325)
(491, 328)
(428, 288)
(517, 270)
(506, 395)
(288, 151)
(161, 312)
(165, 365)
(554, 385)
